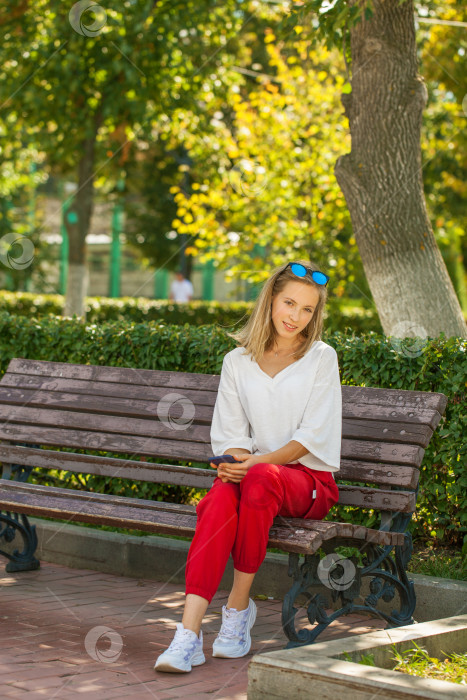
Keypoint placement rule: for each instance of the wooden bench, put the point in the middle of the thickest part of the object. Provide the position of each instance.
(167, 415)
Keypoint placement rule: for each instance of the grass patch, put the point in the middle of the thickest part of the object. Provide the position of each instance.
(445, 562)
(417, 662)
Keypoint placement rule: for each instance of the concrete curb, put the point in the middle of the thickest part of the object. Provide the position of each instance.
(332, 668)
(164, 559)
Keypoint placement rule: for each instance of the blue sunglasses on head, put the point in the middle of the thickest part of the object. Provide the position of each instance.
(300, 271)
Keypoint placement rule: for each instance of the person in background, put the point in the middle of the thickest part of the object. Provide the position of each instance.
(181, 289)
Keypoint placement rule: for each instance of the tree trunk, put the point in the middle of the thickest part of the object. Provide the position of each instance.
(381, 179)
(77, 222)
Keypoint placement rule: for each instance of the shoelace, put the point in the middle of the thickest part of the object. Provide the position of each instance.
(180, 641)
(231, 628)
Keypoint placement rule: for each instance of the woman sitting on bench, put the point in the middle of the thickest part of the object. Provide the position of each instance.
(279, 412)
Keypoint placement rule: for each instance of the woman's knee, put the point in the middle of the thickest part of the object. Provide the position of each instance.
(261, 471)
(261, 486)
(222, 497)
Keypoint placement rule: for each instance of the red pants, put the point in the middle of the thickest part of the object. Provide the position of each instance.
(236, 518)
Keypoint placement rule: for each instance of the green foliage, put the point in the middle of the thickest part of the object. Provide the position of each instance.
(116, 88)
(417, 662)
(441, 367)
(146, 59)
(443, 562)
(365, 659)
(165, 162)
(262, 185)
(19, 178)
(325, 21)
(369, 360)
(196, 313)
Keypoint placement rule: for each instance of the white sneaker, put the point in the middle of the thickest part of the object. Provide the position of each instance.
(185, 651)
(234, 638)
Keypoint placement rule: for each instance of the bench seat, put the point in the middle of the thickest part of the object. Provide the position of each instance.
(289, 534)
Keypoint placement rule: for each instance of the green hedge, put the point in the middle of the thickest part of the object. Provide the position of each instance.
(368, 360)
(197, 313)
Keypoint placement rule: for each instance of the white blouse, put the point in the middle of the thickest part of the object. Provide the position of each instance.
(261, 414)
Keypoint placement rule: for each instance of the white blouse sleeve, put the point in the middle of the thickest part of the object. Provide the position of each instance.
(230, 426)
(320, 430)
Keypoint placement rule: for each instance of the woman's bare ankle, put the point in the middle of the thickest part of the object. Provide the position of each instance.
(195, 607)
(192, 628)
(237, 603)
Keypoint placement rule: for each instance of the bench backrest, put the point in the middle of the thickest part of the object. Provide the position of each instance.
(152, 413)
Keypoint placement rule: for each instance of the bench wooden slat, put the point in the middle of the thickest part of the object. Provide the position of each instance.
(56, 495)
(151, 447)
(90, 510)
(329, 529)
(108, 466)
(391, 453)
(120, 375)
(115, 417)
(168, 518)
(414, 434)
(397, 398)
(78, 392)
(379, 499)
(120, 425)
(382, 474)
(378, 473)
(407, 415)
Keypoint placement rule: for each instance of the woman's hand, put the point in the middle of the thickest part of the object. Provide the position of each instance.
(229, 471)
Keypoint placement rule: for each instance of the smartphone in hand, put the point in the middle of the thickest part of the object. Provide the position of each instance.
(222, 458)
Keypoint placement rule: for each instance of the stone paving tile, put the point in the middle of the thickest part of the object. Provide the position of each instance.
(51, 648)
(21, 693)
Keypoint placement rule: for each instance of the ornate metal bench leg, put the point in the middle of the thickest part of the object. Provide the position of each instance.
(342, 577)
(12, 523)
(388, 576)
(407, 590)
(305, 576)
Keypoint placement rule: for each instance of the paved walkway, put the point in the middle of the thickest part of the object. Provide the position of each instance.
(67, 633)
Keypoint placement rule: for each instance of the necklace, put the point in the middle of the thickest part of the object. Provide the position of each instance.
(292, 353)
(283, 358)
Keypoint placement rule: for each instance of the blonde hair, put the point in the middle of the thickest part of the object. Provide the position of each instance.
(258, 334)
